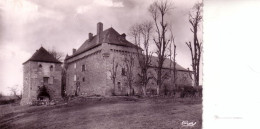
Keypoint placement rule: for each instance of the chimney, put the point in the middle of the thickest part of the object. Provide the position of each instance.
(73, 50)
(90, 36)
(123, 35)
(99, 30)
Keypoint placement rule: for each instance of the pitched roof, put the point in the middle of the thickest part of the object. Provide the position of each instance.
(166, 64)
(42, 55)
(109, 35)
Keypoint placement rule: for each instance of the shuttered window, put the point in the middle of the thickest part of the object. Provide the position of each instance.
(83, 68)
(51, 79)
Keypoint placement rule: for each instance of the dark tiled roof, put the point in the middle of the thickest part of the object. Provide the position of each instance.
(109, 35)
(166, 64)
(42, 55)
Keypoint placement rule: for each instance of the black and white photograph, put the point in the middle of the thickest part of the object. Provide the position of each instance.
(121, 64)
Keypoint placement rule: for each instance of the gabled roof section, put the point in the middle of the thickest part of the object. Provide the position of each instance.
(42, 55)
(109, 35)
(166, 64)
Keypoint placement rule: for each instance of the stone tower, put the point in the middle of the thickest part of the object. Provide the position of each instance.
(41, 77)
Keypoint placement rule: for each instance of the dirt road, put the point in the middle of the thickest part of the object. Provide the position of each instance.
(106, 113)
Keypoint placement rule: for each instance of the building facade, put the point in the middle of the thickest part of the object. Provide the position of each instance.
(89, 69)
(41, 78)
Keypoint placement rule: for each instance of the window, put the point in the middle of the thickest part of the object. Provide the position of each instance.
(40, 67)
(51, 80)
(75, 66)
(83, 68)
(45, 80)
(123, 72)
(119, 85)
(75, 78)
(83, 79)
(51, 68)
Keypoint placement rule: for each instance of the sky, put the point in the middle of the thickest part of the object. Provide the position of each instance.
(26, 25)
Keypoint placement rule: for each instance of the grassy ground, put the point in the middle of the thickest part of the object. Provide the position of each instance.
(106, 113)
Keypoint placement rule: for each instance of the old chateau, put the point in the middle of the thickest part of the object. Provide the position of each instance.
(89, 69)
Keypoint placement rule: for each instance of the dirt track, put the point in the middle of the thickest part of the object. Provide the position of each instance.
(105, 113)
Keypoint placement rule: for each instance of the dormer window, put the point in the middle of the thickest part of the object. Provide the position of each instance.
(51, 68)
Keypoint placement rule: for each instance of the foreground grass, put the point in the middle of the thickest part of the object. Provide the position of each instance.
(106, 113)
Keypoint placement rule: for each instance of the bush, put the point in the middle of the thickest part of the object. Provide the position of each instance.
(7, 101)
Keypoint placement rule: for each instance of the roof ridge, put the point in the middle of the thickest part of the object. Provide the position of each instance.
(109, 35)
(42, 55)
(166, 63)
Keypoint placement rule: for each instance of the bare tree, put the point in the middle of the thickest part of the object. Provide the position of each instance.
(135, 32)
(173, 55)
(129, 65)
(63, 80)
(57, 55)
(1, 95)
(195, 18)
(14, 90)
(141, 34)
(113, 72)
(158, 10)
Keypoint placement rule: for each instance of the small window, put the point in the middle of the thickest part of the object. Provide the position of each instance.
(51, 68)
(75, 66)
(83, 68)
(45, 80)
(40, 66)
(119, 85)
(83, 79)
(75, 78)
(51, 79)
(123, 72)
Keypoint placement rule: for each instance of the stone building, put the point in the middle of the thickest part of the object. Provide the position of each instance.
(183, 76)
(41, 77)
(89, 70)
(90, 67)
(92, 63)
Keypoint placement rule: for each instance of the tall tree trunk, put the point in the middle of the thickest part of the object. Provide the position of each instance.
(114, 83)
(159, 81)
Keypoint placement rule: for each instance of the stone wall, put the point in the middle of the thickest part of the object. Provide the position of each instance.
(34, 78)
(96, 79)
(119, 53)
(98, 63)
(183, 79)
(92, 79)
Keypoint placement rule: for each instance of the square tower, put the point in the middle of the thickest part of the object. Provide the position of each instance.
(41, 77)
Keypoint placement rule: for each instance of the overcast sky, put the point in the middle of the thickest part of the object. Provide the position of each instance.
(65, 24)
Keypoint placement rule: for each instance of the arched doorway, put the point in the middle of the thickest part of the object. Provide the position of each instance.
(43, 94)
